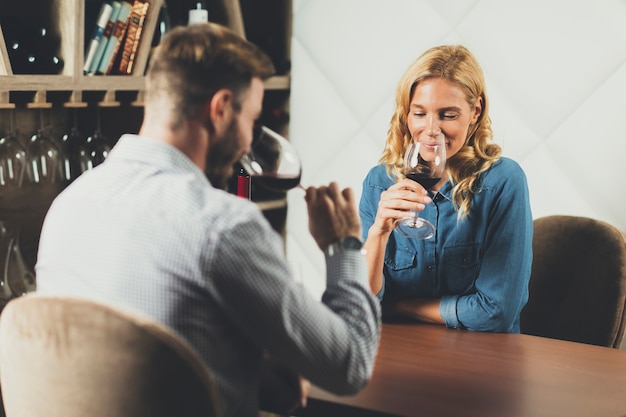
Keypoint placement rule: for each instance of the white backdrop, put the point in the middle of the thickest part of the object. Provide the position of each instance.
(556, 78)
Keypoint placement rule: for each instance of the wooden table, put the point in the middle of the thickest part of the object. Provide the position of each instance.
(428, 370)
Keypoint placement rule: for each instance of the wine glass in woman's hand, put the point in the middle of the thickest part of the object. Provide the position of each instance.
(424, 162)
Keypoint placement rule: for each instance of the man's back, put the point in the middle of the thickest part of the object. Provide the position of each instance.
(147, 232)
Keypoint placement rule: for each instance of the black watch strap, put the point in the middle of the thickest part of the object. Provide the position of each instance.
(343, 244)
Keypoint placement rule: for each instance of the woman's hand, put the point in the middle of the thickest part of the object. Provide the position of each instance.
(396, 202)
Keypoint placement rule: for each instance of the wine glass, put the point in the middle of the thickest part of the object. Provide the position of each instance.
(6, 237)
(94, 150)
(12, 160)
(43, 157)
(272, 161)
(424, 162)
(19, 276)
(68, 144)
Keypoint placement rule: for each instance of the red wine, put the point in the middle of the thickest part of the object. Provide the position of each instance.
(276, 182)
(423, 179)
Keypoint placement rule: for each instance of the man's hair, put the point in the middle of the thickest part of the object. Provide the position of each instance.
(193, 62)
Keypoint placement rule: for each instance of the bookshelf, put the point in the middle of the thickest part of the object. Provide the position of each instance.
(116, 99)
(71, 31)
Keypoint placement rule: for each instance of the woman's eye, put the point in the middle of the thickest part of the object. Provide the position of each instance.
(449, 116)
(418, 114)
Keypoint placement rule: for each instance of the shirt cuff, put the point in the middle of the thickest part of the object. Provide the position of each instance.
(447, 309)
(350, 264)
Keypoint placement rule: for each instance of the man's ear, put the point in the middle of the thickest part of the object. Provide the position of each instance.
(221, 109)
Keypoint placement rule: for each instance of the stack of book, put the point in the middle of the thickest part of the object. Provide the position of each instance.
(116, 36)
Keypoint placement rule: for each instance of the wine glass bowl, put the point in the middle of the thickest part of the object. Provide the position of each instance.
(272, 161)
(43, 159)
(424, 163)
(93, 151)
(68, 144)
(12, 162)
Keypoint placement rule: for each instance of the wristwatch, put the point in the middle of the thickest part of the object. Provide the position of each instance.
(343, 244)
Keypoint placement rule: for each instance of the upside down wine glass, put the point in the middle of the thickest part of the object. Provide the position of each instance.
(12, 159)
(424, 162)
(272, 161)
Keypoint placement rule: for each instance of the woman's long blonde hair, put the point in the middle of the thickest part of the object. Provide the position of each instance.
(458, 65)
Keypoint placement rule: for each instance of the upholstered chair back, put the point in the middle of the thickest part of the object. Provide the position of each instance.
(577, 288)
(66, 357)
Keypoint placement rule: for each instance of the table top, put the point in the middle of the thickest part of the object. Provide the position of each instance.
(428, 370)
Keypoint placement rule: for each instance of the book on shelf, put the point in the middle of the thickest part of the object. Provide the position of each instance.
(95, 63)
(98, 33)
(134, 30)
(113, 44)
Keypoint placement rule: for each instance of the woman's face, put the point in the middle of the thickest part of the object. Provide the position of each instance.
(439, 106)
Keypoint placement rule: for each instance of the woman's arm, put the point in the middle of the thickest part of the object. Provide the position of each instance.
(501, 287)
(421, 309)
(374, 246)
(380, 208)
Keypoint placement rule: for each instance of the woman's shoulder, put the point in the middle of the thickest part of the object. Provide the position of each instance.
(504, 170)
(378, 176)
(507, 166)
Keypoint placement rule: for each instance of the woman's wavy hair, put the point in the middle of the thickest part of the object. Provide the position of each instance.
(456, 64)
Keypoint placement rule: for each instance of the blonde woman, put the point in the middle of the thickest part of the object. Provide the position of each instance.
(473, 273)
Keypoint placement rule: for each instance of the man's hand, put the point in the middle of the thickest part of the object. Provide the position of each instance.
(332, 214)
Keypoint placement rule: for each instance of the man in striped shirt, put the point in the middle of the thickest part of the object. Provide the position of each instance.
(152, 230)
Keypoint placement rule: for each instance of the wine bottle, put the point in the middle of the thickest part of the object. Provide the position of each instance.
(243, 184)
(198, 15)
(164, 24)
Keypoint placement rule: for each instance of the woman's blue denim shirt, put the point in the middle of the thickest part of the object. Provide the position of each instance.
(479, 266)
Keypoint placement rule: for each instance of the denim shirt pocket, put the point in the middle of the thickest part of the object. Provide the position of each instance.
(460, 266)
(401, 268)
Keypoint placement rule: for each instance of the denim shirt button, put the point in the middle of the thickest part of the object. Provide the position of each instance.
(431, 267)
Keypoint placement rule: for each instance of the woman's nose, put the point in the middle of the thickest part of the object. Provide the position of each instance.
(432, 126)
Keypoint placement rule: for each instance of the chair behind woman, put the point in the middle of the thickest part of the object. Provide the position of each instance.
(578, 281)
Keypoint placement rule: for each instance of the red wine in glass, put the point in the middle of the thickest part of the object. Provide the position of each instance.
(272, 162)
(277, 182)
(424, 163)
(425, 180)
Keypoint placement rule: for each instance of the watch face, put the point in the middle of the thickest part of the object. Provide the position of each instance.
(351, 243)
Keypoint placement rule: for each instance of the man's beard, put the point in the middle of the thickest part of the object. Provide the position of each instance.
(222, 156)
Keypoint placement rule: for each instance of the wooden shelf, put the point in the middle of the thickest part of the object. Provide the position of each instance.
(96, 83)
(72, 31)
